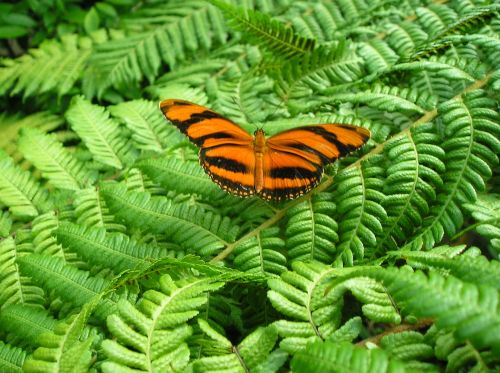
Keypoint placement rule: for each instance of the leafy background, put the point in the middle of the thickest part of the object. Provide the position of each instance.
(118, 254)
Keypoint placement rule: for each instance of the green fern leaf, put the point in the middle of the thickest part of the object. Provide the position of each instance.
(266, 32)
(250, 354)
(344, 357)
(359, 211)
(5, 224)
(54, 67)
(67, 348)
(73, 285)
(27, 323)
(477, 270)
(175, 32)
(469, 310)
(300, 296)
(10, 126)
(413, 174)
(20, 192)
(486, 212)
(150, 131)
(411, 348)
(262, 253)
(471, 149)
(91, 211)
(311, 232)
(181, 176)
(189, 226)
(11, 358)
(100, 134)
(62, 169)
(117, 251)
(152, 336)
(318, 70)
(15, 288)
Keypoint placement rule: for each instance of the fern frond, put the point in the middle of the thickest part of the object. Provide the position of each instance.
(249, 355)
(469, 310)
(15, 288)
(265, 31)
(20, 192)
(404, 37)
(114, 250)
(377, 303)
(416, 163)
(378, 56)
(435, 18)
(75, 286)
(318, 70)
(100, 134)
(151, 336)
(311, 232)
(477, 270)
(189, 226)
(411, 348)
(56, 164)
(5, 224)
(150, 131)
(300, 296)
(390, 99)
(11, 358)
(486, 212)
(91, 211)
(263, 253)
(43, 238)
(54, 67)
(471, 149)
(327, 356)
(181, 176)
(10, 126)
(26, 323)
(179, 30)
(68, 347)
(359, 210)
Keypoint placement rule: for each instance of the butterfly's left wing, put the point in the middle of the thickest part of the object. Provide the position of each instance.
(226, 149)
(295, 158)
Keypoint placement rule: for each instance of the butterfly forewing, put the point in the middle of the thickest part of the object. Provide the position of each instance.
(204, 127)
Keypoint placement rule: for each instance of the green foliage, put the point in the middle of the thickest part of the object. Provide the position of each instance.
(118, 253)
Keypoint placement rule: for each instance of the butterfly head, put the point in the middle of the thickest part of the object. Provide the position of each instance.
(259, 132)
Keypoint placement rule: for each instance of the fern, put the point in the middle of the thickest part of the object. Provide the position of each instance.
(469, 155)
(263, 30)
(156, 342)
(100, 134)
(11, 358)
(60, 167)
(54, 67)
(15, 288)
(311, 232)
(20, 192)
(95, 245)
(189, 226)
(149, 129)
(127, 59)
(359, 210)
(332, 357)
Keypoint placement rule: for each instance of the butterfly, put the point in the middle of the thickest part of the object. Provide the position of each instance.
(283, 166)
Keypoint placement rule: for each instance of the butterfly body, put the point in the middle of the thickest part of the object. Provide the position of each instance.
(283, 166)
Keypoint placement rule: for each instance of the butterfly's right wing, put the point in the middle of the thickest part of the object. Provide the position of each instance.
(226, 149)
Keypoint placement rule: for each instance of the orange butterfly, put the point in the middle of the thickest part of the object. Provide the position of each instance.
(283, 166)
